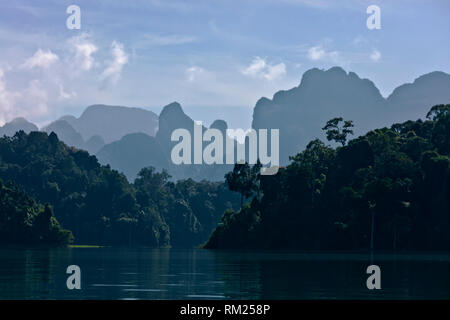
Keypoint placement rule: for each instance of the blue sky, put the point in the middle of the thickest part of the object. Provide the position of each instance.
(205, 53)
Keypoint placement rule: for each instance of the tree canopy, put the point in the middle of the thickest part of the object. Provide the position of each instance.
(324, 198)
(100, 206)
(337, 132)
(24, 221)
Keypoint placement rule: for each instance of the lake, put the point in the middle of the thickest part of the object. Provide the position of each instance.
(139, 273)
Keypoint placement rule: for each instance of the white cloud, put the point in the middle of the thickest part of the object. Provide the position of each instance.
(6, 100)
(375, 56)
(316, 53)
(40, 59)
(63, 95)
(259, 68)
(31, 102)
(84, 53)
(83, 50)
(120, 58)
(35, 100)
(255, 68)
(275, 71)
(194, 72)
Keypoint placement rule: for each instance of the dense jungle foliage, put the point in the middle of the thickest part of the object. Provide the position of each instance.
(99, 205)
(326, 197)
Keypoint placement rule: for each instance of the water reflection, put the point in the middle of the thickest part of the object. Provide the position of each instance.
(124, 273)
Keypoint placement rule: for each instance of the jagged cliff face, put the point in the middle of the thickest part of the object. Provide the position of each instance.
(301, 112)
(172, 117)
(136, 151)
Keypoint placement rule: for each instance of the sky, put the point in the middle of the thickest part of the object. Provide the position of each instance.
(204, 53)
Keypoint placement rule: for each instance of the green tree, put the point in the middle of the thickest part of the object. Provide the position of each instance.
(337, 132)
(244, 179)
(438, 111)
(24, 221)
(325, 199)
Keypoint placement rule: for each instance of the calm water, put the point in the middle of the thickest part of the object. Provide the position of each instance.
(113, 273)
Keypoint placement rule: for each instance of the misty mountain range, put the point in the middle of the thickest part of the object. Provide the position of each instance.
(129, 139)
(301, 112)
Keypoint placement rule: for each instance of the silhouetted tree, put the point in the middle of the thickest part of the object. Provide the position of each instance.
(326, 198)
(244, 179)
(438, 111)
(336, 132)
(97, 203)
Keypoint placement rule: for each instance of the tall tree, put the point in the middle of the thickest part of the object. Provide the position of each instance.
(244, 179)
(337, 132)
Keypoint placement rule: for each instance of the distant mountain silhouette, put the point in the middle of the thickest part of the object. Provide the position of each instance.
(131, 138)
(111, 123)
(413, 100)
(136, 151)
(132, 153)
(172, 117)
(66, 133)
(220, 125)
(236, 116)
(94, 144)
(17, 124)
(301, 112)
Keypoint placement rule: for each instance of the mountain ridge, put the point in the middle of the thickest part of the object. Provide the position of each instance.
(113, 122)
(299, 112)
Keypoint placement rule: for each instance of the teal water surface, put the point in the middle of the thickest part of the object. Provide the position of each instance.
(131, 273)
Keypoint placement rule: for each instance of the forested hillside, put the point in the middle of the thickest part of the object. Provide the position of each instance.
(325, 197)
(300, 112)
(24, 221)
(100, 206)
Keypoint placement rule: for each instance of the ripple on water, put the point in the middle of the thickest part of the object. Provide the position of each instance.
(113, 285)
(205, 296)
(145, 290)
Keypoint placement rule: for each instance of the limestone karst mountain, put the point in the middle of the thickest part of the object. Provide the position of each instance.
(136, 151)
(17, 124)
(94, 144)
(66, 133)
(301, 112)
(113, 122)
(131, 138)
(414, 99)
(132, 153)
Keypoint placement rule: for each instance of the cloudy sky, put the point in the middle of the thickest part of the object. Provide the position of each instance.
(204, 53)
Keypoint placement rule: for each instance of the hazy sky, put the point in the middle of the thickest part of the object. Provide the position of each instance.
(204, 53)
